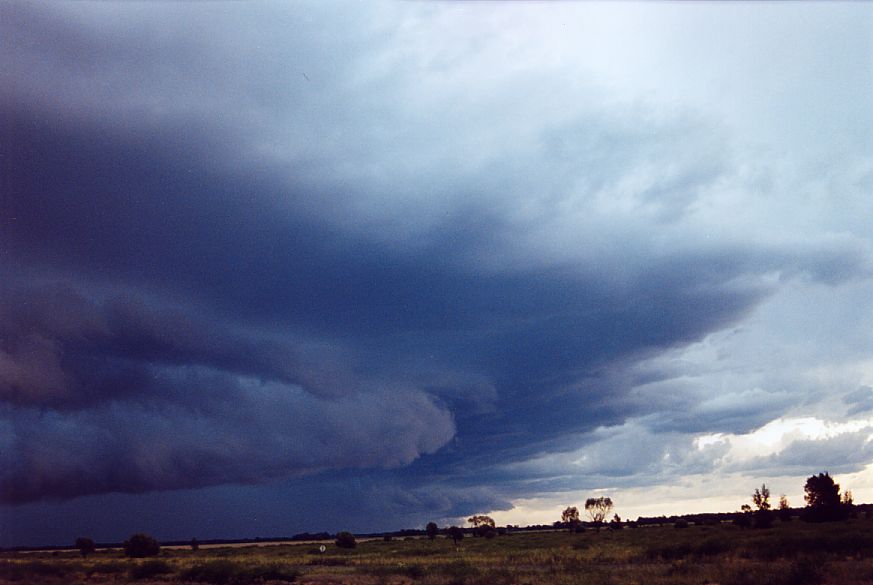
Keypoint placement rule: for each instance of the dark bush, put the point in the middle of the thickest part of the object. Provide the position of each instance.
(85, 545)
(141, 546)
(432, 530)
(456, 534)
(346, 540)
(680, 524)
(149, 569)
(764, 518)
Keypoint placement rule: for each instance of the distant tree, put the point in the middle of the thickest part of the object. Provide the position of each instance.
(432, 530)
(823, 502)
(848, 499)
(195, 546)
(570, 518)
(481, 520)
(761, 498)
(763, 515)
(598, 509)
(744, 518)
(85, 545)
(615, 523)
(483, 525)
(346, 540)
(141, 545)
(784, 509)
(456, 534)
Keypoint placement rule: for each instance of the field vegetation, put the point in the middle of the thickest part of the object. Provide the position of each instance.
(788, 553)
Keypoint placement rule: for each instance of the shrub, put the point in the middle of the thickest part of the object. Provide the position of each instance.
(432, 530)
(346, 540)
(149, 569)
(680, 524)
(456, 534)
(141, 546)
(85, 545)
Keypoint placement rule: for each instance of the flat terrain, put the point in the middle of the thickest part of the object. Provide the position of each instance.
(793, 553)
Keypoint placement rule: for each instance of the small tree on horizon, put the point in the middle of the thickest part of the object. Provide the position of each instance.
(346, 539)
(763, 515)
(481, 520)
(598, 509)
(432, 530)
(85, 545)
(784, 509)
(456, 534)
(141, 545)
(570, 517)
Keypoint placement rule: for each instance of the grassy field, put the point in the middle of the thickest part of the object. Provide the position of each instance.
(787, 554)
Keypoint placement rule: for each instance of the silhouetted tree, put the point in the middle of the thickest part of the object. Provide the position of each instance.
(763, 515)
(482, 525)
(432, 530)
(615, 523)
(744, 518)
(598, 509)
(570, 518)
(823, 502)
(784, 509)
(85, 545)
(141, 545)
(456, 534)
(481, 520)
(346, 540)
(195, 546)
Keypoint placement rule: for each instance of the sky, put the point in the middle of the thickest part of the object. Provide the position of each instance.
(268, 268)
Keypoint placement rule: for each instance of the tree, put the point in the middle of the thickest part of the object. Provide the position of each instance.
(615, 523)
(848, 498)
(763, 515)
(823, 502)
(141, 545)
(761, 498)
(481, 520)
(85, 545)
(570, 518)
(345, 540)
(821, 491)
(598, 509)
(744, 518)
(483, 525)
(456, 534)
(432, 530)
(195, 546)
(784, 509)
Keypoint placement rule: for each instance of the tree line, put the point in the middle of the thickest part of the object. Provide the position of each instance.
(824, 503)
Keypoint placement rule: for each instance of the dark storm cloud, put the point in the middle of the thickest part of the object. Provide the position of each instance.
(220, 274)
(239, 434)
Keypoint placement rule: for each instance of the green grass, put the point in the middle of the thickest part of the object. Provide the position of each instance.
(795, 553)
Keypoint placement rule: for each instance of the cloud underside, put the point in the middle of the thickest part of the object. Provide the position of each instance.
(214, 273)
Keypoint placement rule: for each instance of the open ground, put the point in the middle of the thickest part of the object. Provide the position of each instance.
(790, 553)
